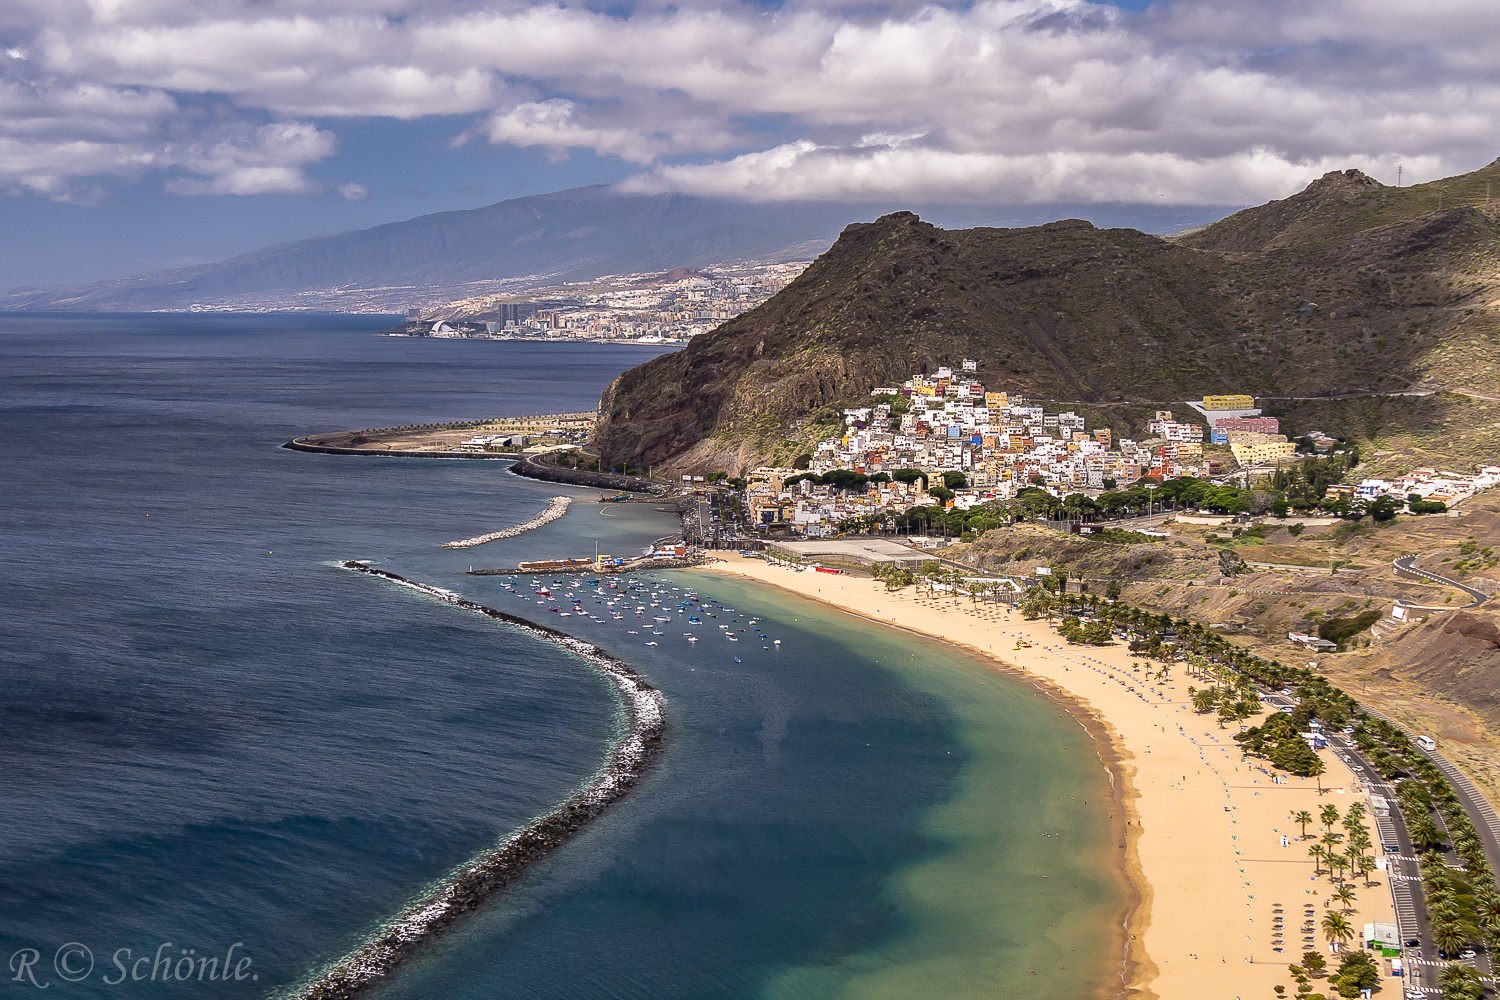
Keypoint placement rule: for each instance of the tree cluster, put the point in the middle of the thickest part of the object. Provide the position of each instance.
(1279, 741)
(1094, 633)
(1341, 630)
(1304, 484)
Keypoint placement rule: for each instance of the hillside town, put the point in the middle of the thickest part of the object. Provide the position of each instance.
(946, 441)
(661, 309)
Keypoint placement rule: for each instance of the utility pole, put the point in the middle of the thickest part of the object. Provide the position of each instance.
(1398, 175)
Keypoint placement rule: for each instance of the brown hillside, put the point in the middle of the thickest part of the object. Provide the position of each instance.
(1347, 287)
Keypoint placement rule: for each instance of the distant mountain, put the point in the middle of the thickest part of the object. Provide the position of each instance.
(569, 235)
(1349, 287)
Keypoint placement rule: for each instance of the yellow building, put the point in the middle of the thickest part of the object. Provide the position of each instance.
(1187, 451)
(1258, 449)
(996, 400)
(1229, 402)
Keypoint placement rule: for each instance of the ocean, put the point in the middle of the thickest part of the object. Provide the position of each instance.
(211, 736)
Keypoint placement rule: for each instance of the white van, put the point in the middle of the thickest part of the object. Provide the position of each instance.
(1426, 743)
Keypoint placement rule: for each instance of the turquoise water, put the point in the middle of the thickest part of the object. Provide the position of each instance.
(212, 735)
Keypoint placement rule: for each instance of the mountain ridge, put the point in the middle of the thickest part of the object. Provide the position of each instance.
(570, 235)
(1349, 286)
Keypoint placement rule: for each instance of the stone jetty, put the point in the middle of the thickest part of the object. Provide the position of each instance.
(556, 509)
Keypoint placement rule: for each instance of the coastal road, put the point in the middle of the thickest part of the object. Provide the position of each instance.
(1481, 813)
(705, 519)
(1408, 564)
(1406, 881)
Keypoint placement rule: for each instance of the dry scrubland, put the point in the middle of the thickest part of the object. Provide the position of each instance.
(1438, 673)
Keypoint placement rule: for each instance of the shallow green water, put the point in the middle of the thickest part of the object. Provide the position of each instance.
(1015, 878)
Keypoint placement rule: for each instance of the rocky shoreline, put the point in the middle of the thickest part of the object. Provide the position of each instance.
(428, 915)
(556, 509)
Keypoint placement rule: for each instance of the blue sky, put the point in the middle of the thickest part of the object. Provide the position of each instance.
(406, 167)
(140, 134)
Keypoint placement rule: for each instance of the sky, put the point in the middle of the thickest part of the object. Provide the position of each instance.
(140, 134)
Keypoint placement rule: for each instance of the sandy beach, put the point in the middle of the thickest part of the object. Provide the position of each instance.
(1202, 835)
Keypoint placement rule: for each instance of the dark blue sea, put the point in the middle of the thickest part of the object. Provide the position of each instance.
(212, 737)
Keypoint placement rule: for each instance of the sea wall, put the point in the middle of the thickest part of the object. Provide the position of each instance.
(300, 444)
(467, 887)
(532, 468)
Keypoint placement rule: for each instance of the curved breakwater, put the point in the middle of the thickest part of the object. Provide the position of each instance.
(470, 885)
(556, 509)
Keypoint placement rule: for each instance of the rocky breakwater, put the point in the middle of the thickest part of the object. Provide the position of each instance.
(556, 509)
(467, 887)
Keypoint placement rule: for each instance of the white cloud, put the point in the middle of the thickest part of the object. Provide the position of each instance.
(1008, 100)
(268, 160)
(804, 170)
(350, 191)
(551, 124)
(556, 125)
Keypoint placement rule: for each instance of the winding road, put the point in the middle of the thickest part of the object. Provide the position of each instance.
(1407, 564)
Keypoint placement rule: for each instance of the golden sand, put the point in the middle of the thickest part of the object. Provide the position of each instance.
(1203, 847)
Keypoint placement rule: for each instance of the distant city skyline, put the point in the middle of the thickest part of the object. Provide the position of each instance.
(139, 136)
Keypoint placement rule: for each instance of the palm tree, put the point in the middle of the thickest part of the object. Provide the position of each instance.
(1345, 895)
(1449, 936)
(1316, 852)
(1359, 839)
(1302, 817)
(1487, 909)
(1336, 927)
(1425, 833)
(1329, 816)
(1461, 983)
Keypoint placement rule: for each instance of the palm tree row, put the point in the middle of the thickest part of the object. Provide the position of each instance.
(1352, 862)
(1464, 906)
